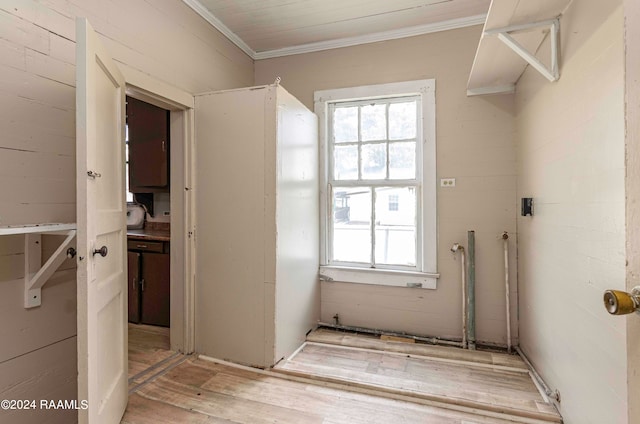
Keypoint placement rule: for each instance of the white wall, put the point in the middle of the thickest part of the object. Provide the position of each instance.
(161, 203)
(632, 104)
(163, 39)
(571, 160)
(475, 144)
(38, 349)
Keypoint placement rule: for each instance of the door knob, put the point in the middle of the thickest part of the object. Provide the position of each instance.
(618, 302)
(102, 251)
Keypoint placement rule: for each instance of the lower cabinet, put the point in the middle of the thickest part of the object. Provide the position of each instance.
(155, 294)
(149, 299)
(133, 282)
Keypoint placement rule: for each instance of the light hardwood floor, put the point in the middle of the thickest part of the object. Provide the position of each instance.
(193, 390)
(367, 341)
(199, 391)
(486, 387)
(487, 381)
(149, 354)
(148, 345)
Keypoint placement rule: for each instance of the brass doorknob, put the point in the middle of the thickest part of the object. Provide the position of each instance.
(102, 251)
(618, 302)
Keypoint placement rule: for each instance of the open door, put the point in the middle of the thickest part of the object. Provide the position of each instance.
(101, 237)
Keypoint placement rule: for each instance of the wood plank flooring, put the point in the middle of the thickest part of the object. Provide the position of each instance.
(332, 383)
(499, 390)
(487, 381)
(368, 341)
(199, 391)
(148, 345)
(149, 354)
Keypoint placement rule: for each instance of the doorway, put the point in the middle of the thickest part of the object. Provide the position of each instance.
(148, 191)
(147, 162)
(161, 332)
(176, 199)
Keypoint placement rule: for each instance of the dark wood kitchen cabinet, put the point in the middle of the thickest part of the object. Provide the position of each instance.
(148, 142)
(133, 282)
(155, 289)
(149, 299)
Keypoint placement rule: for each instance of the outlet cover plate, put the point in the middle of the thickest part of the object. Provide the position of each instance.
(447, 182)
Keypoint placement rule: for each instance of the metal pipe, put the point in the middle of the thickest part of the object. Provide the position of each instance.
(454, 249)
(432, 340)
(553, 394)
(464, 299)
(471, 295)
(505, 242)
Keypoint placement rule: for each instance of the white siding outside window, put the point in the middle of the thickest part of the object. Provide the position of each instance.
(378, 189)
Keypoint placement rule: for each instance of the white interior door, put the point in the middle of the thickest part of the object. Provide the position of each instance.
(102, 295)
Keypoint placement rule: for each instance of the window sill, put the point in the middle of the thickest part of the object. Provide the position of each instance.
(381, 277)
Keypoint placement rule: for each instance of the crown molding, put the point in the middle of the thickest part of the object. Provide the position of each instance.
(373, 38)
(333, 44)
(217, 24)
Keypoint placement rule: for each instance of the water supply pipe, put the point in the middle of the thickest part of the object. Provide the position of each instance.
(537, 380)
(505, 242)
(471, 290)
(454, 249)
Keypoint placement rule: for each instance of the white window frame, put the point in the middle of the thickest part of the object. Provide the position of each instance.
(425, 275)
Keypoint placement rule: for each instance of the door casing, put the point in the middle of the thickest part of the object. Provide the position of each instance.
(180, 106)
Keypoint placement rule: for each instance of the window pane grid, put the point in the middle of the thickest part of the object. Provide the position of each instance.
(372, 258)
(387, 140)
(369, 226)
(359, 143)
(375, 163)
(392, 239)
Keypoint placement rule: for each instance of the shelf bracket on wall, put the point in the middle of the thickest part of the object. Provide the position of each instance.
(520, 27)
(504, 35)
(35, 274)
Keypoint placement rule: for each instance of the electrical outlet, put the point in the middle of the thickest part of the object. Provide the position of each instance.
(166, 213)
(447, 182)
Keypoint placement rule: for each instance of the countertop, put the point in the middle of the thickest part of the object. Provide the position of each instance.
(149, 234)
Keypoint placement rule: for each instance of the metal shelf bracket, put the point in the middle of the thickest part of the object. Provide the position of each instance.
(504, 35)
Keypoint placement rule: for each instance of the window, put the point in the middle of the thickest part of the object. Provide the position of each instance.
(372, 159)
(393, 202)
(378, 189)
(126, 164)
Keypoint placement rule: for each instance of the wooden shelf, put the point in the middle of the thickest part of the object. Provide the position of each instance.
(36, 273)
(514, 29)
(35, 228)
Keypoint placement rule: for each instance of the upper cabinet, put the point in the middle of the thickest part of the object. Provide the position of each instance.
(148, 127)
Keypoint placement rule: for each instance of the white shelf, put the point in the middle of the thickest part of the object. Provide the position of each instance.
(35, 228)
(497, 65)
(36, 275)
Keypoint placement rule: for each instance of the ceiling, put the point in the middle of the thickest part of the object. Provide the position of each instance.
(272, 28)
